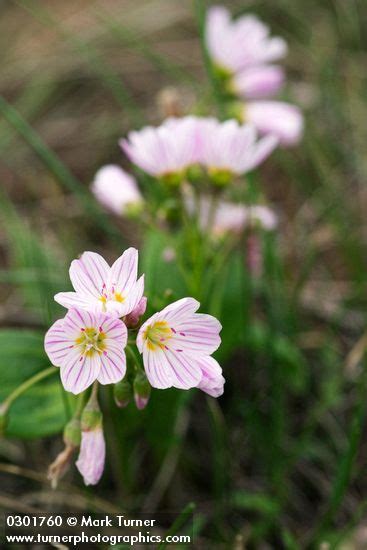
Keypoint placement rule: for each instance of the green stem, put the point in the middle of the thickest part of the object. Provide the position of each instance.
(200, 9)
(25, 386)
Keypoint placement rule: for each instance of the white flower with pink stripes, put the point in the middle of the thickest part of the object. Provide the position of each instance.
(87, 347)
(98, 287)
(176, 344)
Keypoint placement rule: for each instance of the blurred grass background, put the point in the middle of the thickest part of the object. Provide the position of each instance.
(280, 460)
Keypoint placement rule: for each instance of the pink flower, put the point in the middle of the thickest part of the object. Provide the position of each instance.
(116, 189)
(92, 455)
(276, 118)
(99, 287)
(175, 342)
(87, 347)
(168, 149)
(233, 148)
(212, 381)
(258, 82)
(245, 42)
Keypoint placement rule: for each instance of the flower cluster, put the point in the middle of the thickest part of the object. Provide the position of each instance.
(243, 53)
(222, 149)
(89, 343)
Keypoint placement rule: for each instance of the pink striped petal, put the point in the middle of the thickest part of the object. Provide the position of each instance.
(124, 271)
(197, 334)
(114, 329)
(76, 320)
(57, 343)
(78, 371)
(89, 274)
(179, 310)
(112, 367)
(74, 300)
(157, 369)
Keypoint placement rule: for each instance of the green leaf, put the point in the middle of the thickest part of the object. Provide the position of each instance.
(40, 411)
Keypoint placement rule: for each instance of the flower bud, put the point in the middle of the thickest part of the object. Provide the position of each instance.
(92, 455)
(91, 416)
(132, 319)
(142, 390)
(122, 393)
(72, 433)
(92, 452)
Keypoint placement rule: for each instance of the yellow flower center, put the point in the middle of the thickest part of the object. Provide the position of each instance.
(110, 295)
(91, 340)
(157, 334)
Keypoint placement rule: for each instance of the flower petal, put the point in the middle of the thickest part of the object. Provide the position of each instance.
(74, 300)
(166, 368)
(179, 310)
(212, 381)
(157, 369)
(77, 319)
(78, 371)
(124, 271)
(89, 274)
(112, 367)
(114, 329)
(196, 334)
(57, 343)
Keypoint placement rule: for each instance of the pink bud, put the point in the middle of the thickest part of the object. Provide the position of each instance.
(116, 190)
(92, 454)
(141, 402)
(132, 319)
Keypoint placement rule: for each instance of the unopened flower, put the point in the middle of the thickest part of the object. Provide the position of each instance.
(99, 287)
(174, 340)
(142, 390)
(258, 82)
(244, 42)
(132, 319)
(122, 393)
(92, 453)
(92, 456)
(229, 148)
(166, 151)
(275, 118)
(212, 380)
(116, 190)
(87, 347)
